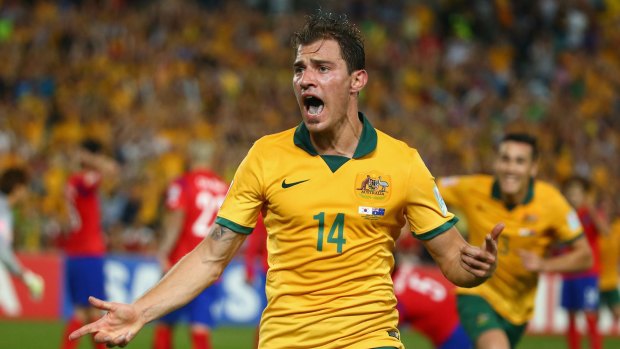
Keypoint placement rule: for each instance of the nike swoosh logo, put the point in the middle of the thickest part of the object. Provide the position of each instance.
(288, 185)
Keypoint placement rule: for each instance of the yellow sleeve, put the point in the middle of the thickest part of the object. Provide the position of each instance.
(245, 196)
(449, 188)
(566, 222)
(426, 210)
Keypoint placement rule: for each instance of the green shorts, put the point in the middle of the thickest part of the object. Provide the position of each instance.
(477, 316)
(610, 298)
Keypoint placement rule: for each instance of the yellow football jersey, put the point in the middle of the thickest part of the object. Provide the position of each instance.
(542, 219)
(331, 225)
(610, 248)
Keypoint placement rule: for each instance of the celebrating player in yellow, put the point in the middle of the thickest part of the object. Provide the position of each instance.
(610, 254)
(495, 314)
(334, 193)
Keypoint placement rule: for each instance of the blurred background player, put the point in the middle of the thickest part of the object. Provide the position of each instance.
(426, 299)
(580, 291)
(610, 249)
(192, 203)
(13, 190)
(495, 314)
(84, 244)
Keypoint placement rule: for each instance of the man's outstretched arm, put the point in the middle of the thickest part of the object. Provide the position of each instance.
(190, 276)
(578, 258)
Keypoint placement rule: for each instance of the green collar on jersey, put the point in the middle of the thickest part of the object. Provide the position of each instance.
(496, 192)
(367, 143)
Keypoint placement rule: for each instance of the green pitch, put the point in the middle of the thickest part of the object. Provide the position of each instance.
(44, 335)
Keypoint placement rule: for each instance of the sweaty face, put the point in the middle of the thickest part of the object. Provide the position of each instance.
(322, 84)
(514, 167)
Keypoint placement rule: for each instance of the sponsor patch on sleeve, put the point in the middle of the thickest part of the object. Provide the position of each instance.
(440, 201)
(573, 220)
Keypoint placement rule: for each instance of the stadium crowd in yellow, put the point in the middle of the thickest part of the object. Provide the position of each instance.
(146, 78)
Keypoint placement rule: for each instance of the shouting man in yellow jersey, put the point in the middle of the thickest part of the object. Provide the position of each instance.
(334, 193)
(535, 215)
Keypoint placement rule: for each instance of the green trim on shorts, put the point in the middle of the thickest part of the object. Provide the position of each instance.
(610, 298)
(478, 316)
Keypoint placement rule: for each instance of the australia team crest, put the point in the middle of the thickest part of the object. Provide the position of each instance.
(373, 186)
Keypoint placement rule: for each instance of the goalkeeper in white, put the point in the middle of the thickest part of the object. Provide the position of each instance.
(13, 189)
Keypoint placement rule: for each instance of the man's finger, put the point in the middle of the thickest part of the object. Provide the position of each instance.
(490, 241)
(100, 304)
(497, 230)
(129, 336)
(490, 245)
(476, 272)
(478, 253)
(101, 337)
(119, 341)
(84, 330)
(475, 263)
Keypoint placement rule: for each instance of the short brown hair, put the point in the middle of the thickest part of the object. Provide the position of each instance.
(328, 25)
(12, 178)
(523, 138)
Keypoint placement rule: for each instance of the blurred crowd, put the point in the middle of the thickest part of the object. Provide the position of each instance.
(151, 78)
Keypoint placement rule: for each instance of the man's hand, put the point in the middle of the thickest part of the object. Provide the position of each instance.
(482, 261)
(35, 284)
(531, 261)
(117, 327)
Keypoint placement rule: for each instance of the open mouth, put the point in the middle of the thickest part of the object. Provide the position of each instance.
(510, 178)
(510, 183)
(314, 105)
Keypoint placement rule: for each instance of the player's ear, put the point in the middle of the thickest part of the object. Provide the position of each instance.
(359, 78)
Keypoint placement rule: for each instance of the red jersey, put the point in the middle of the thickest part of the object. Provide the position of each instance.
(427, 301)
(86, 236)
(256, 250)
(591, 233)
(199, 194)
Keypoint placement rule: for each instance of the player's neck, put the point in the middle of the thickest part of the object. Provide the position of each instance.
(515, 199)
(341, 139)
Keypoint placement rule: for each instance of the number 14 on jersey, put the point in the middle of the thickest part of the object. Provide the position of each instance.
(336, 232)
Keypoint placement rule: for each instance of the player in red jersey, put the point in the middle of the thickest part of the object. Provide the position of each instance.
(256, 264)
(255, 256)
(426, 299)
(84, 243)
(580, 291)
(192, 203)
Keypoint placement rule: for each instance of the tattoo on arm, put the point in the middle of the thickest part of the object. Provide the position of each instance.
(221, 244)
(220, 233)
